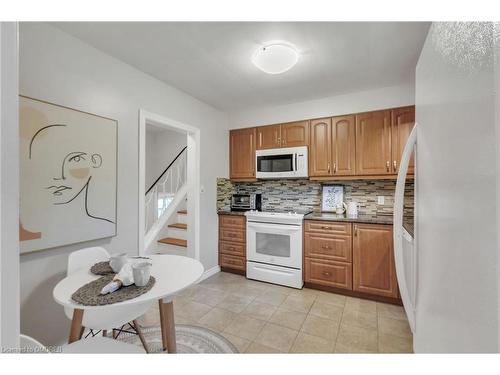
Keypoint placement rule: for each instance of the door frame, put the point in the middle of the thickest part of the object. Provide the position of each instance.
(192, 172)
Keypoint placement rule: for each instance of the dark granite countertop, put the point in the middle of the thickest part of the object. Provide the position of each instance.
(408, 225)
(237, 213)
(368, 219)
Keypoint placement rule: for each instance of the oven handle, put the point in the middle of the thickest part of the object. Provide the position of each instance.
(274, 227)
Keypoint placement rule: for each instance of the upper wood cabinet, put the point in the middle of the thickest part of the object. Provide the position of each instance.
(242, 154)
(295, 134)
(268, 137)
(332, 151)
(343, 145)
(373, 143)
(292, 134)
(403, 121)
(373, 260)
(320, 151)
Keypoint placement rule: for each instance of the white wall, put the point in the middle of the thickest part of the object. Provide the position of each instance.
(59, 68)
(388, 97)
(162, 146)
(9, 187)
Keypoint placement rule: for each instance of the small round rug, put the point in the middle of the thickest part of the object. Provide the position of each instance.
(190, 339)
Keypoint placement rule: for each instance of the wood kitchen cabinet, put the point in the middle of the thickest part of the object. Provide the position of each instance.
(402, 123)
(332, 151)
(268, 137)
(293, 134)
(328, 254)
(343, 146)
(232, 243)
(320, 151)
(373, 143)
(373, 260)
(242, 154)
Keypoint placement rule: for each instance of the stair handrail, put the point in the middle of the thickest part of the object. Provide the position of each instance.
(165, 171)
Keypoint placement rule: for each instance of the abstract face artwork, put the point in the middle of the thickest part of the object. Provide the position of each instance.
(68, 176)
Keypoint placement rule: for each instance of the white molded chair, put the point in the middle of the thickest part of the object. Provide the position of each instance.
(107, 317)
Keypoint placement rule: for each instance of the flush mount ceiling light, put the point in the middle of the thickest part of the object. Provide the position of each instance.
(275, 58)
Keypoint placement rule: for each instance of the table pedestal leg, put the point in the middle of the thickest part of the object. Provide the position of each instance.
(76, 326)
(167, 326)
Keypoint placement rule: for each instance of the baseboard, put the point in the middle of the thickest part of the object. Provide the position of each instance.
(210, 272)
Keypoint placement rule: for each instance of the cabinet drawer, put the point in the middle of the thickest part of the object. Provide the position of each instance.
(232, 248)
(328, 273)
(337, 247)
(230, 261)
(232, 221)
(232, 235)
(328, 227)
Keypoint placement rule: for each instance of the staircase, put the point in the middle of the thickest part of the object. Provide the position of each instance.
(175, 241)
(166, 216)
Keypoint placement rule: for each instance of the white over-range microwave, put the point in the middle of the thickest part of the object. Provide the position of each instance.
(288, 162)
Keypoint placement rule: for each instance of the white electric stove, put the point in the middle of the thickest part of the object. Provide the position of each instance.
(274, 247)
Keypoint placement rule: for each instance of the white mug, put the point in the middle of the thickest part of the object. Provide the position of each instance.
(117, 261)
(142, 273)
(352, 209)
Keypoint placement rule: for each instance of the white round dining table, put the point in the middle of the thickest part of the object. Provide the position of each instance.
(172, 273)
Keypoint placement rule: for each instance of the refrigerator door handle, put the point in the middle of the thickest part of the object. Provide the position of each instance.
(398, 228)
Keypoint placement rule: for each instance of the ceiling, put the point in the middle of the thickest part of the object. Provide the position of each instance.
(212, 60)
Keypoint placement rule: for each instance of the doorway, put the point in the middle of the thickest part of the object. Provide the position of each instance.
(148, 119)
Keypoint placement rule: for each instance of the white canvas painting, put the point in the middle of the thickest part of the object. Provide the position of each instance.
(332, 196)
(67, 175)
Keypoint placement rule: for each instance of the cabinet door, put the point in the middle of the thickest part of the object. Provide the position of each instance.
(242, 153)
(373, 143)
(268, 137)
(343, 145)
(295, 134)
(403, 120)
(373, 260)
(320, 151)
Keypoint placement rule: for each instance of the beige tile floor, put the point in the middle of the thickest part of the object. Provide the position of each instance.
(264, 318)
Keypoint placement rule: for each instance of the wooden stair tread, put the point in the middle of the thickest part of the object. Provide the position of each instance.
(173, 241)
(183, 212)
(178, 226)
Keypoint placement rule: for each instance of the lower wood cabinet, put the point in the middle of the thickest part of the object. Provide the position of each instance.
(351, 256)
(373, 260)
(328, 273)
(232, 243)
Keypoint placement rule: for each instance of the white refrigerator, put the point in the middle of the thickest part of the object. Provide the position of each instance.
(448, 272)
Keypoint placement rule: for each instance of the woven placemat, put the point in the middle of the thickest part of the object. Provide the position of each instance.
(102, 268)
(89, 294)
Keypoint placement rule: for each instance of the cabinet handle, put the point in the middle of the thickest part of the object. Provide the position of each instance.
(334, 167)
(395, 165)
(328, 167)
(326, 273)
(355, 230)
(326, 247)
(326, 228)
(279, 140)
(387, 165)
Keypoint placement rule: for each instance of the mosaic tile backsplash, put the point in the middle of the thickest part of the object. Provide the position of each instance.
(300, 195)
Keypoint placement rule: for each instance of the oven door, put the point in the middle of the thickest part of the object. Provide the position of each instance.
(276, 244)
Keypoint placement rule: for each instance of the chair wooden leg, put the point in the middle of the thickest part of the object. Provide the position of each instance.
(104, 333)
(138, 329)
(81, 332)
(76, 326)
